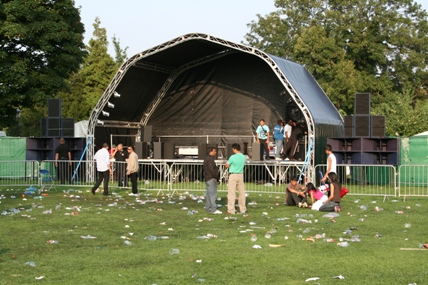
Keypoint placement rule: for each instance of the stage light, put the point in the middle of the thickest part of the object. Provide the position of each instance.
(99, 122)
(110, 105)
(115, 94)
(105, 114)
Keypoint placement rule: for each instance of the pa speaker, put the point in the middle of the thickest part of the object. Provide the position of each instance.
(142, 150)
(54, 108)
(158, 150)
(362, 104)
(203, 150)
(349, 126)
(168, 150)
(54, 127)
(146, 133)
(257, 152)
(378, 126)
(229, 151)
(67, 127)
(43, 127)
(362, 126)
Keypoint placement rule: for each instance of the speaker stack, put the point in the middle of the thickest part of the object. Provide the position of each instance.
(203, 150)
(362, 124)
(163, 150)
(257, 154)
(55, 125)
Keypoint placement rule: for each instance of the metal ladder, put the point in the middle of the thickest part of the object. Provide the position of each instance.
(307, 159)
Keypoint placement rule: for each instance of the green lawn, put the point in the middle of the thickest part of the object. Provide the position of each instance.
(228, 259)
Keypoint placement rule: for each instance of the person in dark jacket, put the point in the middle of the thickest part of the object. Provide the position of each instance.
(211, 173)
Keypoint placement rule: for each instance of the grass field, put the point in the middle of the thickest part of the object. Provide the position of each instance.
(228, 259)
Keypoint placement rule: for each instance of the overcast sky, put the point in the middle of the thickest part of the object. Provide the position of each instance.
(142, 24)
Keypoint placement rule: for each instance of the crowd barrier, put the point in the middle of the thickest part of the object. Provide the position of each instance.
(173, 176)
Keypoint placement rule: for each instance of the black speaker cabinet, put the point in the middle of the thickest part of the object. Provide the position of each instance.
(54, 108)
(203, 150)
(53, 127)
(168, 150)
(67, 127)
(362, 104)
(142, 150)
(43, 127)
(257, 152)
(146, 133)
(378, 126)
(349, 126)
(229, 151)
(158, 150)
(362, 126)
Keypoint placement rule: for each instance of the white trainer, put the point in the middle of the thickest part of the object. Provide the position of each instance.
(217, 212)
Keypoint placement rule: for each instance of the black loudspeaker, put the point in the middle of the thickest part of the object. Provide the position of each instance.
(54, 108)
(349, 126)
(362, 126)
(67, 127)
(53, 127)
(229, 151)
(203, 150)
(362, 104)
(43, 127)
(158, 150)
(142, 150)
(168, 150)
(378, 126)
(146, 133)
(257, 152)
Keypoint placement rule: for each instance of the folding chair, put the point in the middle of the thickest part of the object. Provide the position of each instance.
(45, 177)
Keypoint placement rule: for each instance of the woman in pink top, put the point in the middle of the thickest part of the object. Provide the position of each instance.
(315, 194)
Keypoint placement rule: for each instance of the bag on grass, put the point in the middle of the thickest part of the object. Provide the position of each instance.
(343, 192)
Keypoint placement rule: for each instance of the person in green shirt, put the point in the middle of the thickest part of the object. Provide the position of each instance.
(236, 164)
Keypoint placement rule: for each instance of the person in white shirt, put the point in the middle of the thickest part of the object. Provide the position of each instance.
(102, 158)
(331, 162)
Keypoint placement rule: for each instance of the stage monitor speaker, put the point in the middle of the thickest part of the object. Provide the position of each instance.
(257, 154)
(53, 127)
(203, 150)
(54, 108)
(158, 150)
(378, 126)
(229, 151)
(146, 133)
(349, 126)
(362, 104)
(362, 126)
(168, 150)
(67, 127)
(43, 127)
(142, 150)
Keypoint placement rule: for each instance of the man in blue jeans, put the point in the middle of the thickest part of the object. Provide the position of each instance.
(278, 136)
(211, 178)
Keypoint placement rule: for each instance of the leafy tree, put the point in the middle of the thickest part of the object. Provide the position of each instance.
(88, 85)
(376, 46)
(120, 54)
(41, 44)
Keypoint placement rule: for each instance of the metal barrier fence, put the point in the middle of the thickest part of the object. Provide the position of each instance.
(19, 173)
(374, 180)
(413, 180)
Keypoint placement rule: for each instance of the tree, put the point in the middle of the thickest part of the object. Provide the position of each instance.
(382, 45)
(120, 54)
(88, 85)
(41, 44)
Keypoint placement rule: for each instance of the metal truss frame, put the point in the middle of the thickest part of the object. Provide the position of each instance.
(174, 73)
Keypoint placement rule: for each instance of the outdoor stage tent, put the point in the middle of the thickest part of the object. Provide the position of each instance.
(199, 85)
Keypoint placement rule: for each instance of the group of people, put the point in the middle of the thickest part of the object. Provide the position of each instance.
(296, 194)
(104, 167)
(325, 198)
(286, 138)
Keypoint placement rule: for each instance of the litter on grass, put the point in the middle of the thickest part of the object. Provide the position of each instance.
(331, 215)
(338, 277)
(312, 279)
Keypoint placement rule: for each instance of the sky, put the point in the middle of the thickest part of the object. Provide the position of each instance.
(143, 24)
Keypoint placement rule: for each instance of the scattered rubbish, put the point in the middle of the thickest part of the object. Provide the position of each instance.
(253, 238)
(329, 240)
(378, 235)
(417, 205)
(51, 241)
(361, 219)
(174, 251)
(127, 242)
(252, 223)
(363, 207)
(306, 231)
(88, 237)
(198, 261)
(256, 246)
(230, 218)
(338, 277)
(286, 237)
(31, 263)
(276, 245)
(303, 221)
(399, 212)
(407, 225)
(40, 277)
(343, 244)
(312, 279)
(268, 236)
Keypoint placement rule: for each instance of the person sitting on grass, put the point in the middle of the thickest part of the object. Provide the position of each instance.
(295, 194)
(315, 194)
(333, 201)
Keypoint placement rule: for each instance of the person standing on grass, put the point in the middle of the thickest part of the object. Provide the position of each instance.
(120, 155)
(236, 164)
(333, 201)
(132, 169)
(63, 161)
(295, 194)
(211, 174)
(102, 158)
(331, 162)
